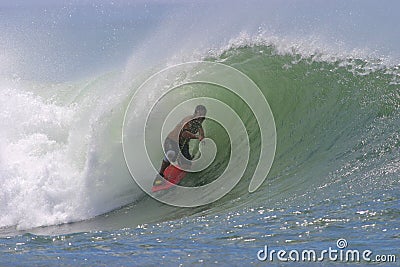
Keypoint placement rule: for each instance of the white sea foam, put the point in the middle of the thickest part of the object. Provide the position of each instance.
(50, 166)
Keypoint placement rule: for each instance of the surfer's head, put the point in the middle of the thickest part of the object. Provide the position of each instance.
(200, 112)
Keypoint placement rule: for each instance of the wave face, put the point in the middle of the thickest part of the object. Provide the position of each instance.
(336, 118)
(336, 121)
(337, 125)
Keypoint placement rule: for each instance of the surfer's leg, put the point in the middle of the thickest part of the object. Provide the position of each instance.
(164, 165)
(159, 178)
(185, 161)
(185, 152)
(170, 155)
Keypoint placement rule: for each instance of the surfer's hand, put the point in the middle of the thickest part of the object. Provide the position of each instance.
(201, 137)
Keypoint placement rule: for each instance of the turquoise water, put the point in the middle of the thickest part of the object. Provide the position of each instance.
(67, 197)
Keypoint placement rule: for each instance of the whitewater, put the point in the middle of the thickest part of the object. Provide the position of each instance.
(69, 71)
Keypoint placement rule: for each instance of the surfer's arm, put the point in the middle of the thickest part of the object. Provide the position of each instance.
(187, 134)
(201, 133)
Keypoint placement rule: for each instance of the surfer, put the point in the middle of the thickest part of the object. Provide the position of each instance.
(178, 139)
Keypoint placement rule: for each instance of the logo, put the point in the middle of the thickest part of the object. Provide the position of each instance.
(332, 254)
